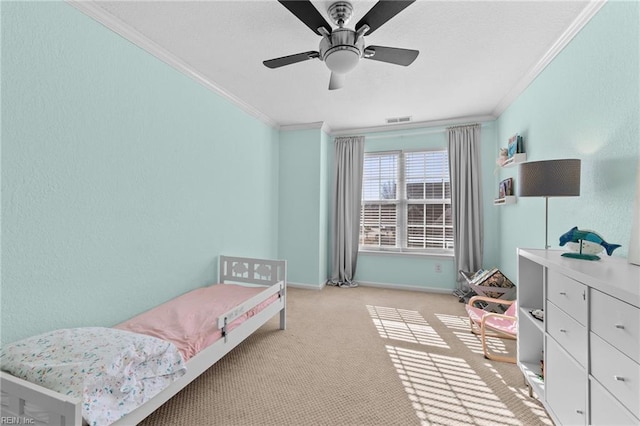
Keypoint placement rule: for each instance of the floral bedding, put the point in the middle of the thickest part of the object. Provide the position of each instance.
(111, 371)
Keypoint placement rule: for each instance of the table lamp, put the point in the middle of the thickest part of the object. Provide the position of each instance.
(549, 178)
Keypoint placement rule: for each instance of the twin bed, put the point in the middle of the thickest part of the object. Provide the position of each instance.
(120, 375)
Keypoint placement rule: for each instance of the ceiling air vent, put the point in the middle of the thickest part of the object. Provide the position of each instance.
(395, 120)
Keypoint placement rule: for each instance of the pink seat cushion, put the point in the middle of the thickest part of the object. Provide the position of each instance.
(512, 309)
(505, 325)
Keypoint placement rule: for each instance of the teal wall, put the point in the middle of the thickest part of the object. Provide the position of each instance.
(419, 271)
(584, 105)
(326, 188)
(304, 205)
(122, 179)
(117, 170)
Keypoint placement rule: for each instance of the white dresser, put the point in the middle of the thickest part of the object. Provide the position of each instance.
(589, 340)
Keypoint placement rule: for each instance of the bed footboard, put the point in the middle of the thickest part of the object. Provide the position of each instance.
(47, 406)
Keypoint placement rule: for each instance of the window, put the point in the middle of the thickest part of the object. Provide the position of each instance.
(406, 202)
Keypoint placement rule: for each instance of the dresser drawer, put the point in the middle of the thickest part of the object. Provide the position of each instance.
(616, 322)
(569, 333)
(567, 294)
(565, 385)
(618, 373)
(606, 410)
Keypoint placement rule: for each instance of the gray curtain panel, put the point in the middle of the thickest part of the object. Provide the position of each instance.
(466, 197)
(347, 186)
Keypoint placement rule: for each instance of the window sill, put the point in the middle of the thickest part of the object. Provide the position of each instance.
(440, 255)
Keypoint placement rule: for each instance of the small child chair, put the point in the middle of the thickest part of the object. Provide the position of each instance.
(493, 324)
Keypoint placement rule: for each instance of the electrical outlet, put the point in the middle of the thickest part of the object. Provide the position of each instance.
(438, 268)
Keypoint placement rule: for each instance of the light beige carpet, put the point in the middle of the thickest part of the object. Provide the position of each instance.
(359, 356)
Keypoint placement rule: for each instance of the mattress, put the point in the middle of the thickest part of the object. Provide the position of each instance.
(190, 321)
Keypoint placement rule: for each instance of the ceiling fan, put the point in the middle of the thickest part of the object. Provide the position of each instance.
(341, 48)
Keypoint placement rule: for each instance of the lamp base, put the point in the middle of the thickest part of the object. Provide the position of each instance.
(582, 256)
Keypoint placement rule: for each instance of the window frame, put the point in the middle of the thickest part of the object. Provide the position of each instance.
(402, 201)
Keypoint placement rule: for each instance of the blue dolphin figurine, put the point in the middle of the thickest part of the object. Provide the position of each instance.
(575, 235)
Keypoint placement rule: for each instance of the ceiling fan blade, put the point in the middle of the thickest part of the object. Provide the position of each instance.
(380, 13)
(291, 59)
(336, 81)
(307, 13)
(392, 55)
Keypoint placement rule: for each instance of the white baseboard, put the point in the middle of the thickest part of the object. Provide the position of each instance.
(306, 286)
(387, 286)
(406, 287)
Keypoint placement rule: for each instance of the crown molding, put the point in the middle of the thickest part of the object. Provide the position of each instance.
(585, 16)
(322, 125)
(103, 17)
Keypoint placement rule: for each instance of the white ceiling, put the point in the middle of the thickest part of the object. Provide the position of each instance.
(475, 56)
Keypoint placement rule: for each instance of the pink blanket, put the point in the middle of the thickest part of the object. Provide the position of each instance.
(190, 321)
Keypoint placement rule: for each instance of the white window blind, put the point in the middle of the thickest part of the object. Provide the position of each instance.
(406, 200)
(379, 211)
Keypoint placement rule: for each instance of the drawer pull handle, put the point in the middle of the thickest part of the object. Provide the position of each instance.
(620, 326)
(562, 330)
(579, 411)
(619, 378)
(563, 293)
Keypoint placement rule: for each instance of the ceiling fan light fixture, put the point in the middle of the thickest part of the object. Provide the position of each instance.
(342, 59)
(341, 51)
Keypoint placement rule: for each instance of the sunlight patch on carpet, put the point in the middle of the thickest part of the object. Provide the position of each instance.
(445, 390)
(462, 330)
(523, 395)
(404, 325)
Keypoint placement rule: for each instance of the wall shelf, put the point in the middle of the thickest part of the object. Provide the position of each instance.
(509, 199)
(517, 158)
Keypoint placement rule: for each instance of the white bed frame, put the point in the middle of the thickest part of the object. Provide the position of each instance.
(66, 411)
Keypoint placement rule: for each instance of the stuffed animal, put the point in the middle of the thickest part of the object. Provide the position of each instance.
(502, 157)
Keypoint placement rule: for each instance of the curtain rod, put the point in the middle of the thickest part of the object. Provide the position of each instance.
(463, 125)
(425, 131)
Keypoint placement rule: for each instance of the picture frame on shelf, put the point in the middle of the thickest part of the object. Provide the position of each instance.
(515, 146)
(512, 147)
(505, 188)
